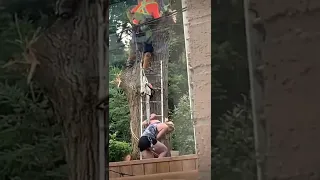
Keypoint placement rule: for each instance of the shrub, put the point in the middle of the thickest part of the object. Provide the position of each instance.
(118, 149)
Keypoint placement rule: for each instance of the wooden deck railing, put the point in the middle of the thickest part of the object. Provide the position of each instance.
(182, 175)
(153, 166)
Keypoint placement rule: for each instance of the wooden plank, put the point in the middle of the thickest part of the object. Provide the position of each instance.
(175, 153)
(154, 160)
(197, 163)
(175, 166)
(189, 164)
(112, 172)
(163, 167)
(150, 168)
(182, 175)
(138, 169)
(127, 170)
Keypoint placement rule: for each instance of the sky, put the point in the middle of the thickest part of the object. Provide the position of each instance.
(114, 37)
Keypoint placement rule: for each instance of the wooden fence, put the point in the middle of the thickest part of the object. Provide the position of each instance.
(182, 175)
(137, 169)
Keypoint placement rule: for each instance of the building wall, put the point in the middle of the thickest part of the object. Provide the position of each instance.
(197, 22)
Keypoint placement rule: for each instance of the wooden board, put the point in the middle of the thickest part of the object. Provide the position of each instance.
(182, 175)
(153, 166)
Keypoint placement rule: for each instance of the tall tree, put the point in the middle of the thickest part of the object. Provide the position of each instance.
(131, 79)
(131, 85)
(66, 55)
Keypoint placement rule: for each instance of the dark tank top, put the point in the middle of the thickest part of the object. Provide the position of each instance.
(151, 131)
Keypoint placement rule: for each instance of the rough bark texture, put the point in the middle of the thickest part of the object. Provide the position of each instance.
(255, 39)
(68, 70)
(291, 71)
(131, 83)
(198, 17)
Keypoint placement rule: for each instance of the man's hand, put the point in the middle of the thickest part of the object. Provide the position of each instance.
(174, 18)
(144, 123)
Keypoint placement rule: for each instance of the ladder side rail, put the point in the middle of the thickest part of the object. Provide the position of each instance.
(141, 79)
(147, 96)
(148, 107)
(141, 109)
(161, 80)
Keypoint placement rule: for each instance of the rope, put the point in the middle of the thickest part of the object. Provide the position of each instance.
(133, 134)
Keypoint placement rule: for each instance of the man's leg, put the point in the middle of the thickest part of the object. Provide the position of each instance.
(147, 154)
(160, 149)
(147, 56)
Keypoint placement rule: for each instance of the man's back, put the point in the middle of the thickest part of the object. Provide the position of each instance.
(146, 8)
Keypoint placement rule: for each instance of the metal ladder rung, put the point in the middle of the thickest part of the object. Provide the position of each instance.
(152, 74)
(156, 115)
(153, 101)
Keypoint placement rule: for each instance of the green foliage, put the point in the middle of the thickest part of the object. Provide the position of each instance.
(117, 23)
(183, 136)
(119, 115)
(118, 149)
(178, 82)
(233, 151)
(226, 56)
(31, 144)
(9, 36)
(177, 67)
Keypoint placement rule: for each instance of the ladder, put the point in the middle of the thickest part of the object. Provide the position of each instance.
(155, 78)
(145, 97)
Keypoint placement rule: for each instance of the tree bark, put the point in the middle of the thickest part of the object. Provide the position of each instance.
(255, 39)
(69, 72)
(291, 68)
(131, 86)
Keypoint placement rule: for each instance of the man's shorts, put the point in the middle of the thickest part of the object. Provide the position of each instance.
(148, 48)
(144, 142)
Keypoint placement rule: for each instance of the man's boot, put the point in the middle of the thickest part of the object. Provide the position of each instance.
(146, 60)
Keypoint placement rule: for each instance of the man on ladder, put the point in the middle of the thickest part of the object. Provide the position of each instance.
(138, 15)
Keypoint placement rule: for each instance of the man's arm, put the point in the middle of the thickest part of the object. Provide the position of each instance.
(162, 132)
(144, 123)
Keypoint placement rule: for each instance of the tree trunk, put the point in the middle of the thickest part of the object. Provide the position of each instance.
(255, 39)
(291, 70)
(131, 83)
(69, 72)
